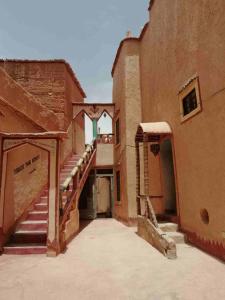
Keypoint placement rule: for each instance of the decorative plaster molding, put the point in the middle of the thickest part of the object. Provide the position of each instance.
(214, 248)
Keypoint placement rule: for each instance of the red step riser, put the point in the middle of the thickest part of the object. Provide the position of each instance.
(41, 207)
(66, 173)
(42, 200)
(69, 166)
(41, 238)
(64, 177)
(29, 238)
(37, 217)
(24, 251)
(34, 227)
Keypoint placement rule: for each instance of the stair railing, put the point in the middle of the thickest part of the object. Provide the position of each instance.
(71, 188)
(146, 209)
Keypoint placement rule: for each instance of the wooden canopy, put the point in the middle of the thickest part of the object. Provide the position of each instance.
(152, 131)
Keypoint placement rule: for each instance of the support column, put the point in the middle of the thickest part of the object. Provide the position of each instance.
(112, 195)
(95, 128)
(53, 240)
(138, 178)
(95, 194)
(146, 170)
(2, 199)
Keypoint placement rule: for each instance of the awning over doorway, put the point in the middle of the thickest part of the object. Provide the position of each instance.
(152, 131)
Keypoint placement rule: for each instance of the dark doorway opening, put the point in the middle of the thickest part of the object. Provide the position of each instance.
(168, 180)
(86, 206)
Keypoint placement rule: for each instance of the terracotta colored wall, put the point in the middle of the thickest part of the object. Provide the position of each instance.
(74, 95)
(15, 96)
(23, 187)
(79, 135)
(133, 118)
(104, 156)
(121, 208)
(155, 184)
(49, 82)
(67, 144)
(45, 81)
(127, 97)
(12, 122)
(186, 38)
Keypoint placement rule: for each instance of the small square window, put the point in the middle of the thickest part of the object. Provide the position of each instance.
(189, 98)
(189, 102)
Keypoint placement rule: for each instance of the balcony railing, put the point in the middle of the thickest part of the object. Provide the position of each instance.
(107, 138)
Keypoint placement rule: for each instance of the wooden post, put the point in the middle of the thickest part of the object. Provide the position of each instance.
(53, 239)
(138, 186)
(146, 169)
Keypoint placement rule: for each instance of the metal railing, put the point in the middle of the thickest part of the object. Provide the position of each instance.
(71, 188)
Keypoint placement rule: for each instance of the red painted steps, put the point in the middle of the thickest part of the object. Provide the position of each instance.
(37, 215)
(21, 249)
(30, 236)
(33, 225)
(41, 206)
(68, 167)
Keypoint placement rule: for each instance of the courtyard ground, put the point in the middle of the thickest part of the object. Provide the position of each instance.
(107, 260)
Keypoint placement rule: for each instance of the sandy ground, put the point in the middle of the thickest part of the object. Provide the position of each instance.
(107, 260)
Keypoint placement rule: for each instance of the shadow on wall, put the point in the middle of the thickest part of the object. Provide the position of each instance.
(166, 157)
(26, 176)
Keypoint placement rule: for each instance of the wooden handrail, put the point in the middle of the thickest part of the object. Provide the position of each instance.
(71, 188)
(148, 210)
(75, 170)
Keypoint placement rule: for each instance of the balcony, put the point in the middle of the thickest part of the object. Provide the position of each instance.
(106, 138)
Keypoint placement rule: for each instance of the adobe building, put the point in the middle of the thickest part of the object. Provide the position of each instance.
(163, 161)
(49, 178)
(168, 91)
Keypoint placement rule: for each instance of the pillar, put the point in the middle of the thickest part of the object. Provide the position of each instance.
(95, 128)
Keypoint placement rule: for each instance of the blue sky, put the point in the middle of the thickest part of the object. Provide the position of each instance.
(84, 32)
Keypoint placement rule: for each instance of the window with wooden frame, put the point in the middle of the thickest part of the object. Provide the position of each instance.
(189, 98)
(118, 186)
(117, 130)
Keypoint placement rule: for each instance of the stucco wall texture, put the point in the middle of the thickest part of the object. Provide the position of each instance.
(185, 39)
(23, 187)
(104, 155)
(49, 82)
(127, 97)
(35, 96)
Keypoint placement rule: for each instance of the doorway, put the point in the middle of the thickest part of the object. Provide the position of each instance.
(104, 192)
(168, 178)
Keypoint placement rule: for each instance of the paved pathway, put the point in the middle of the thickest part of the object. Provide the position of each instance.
(107, 260)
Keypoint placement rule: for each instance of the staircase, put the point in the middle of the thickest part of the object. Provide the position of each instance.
(68, 166)
(30, 235)
(171, 230)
